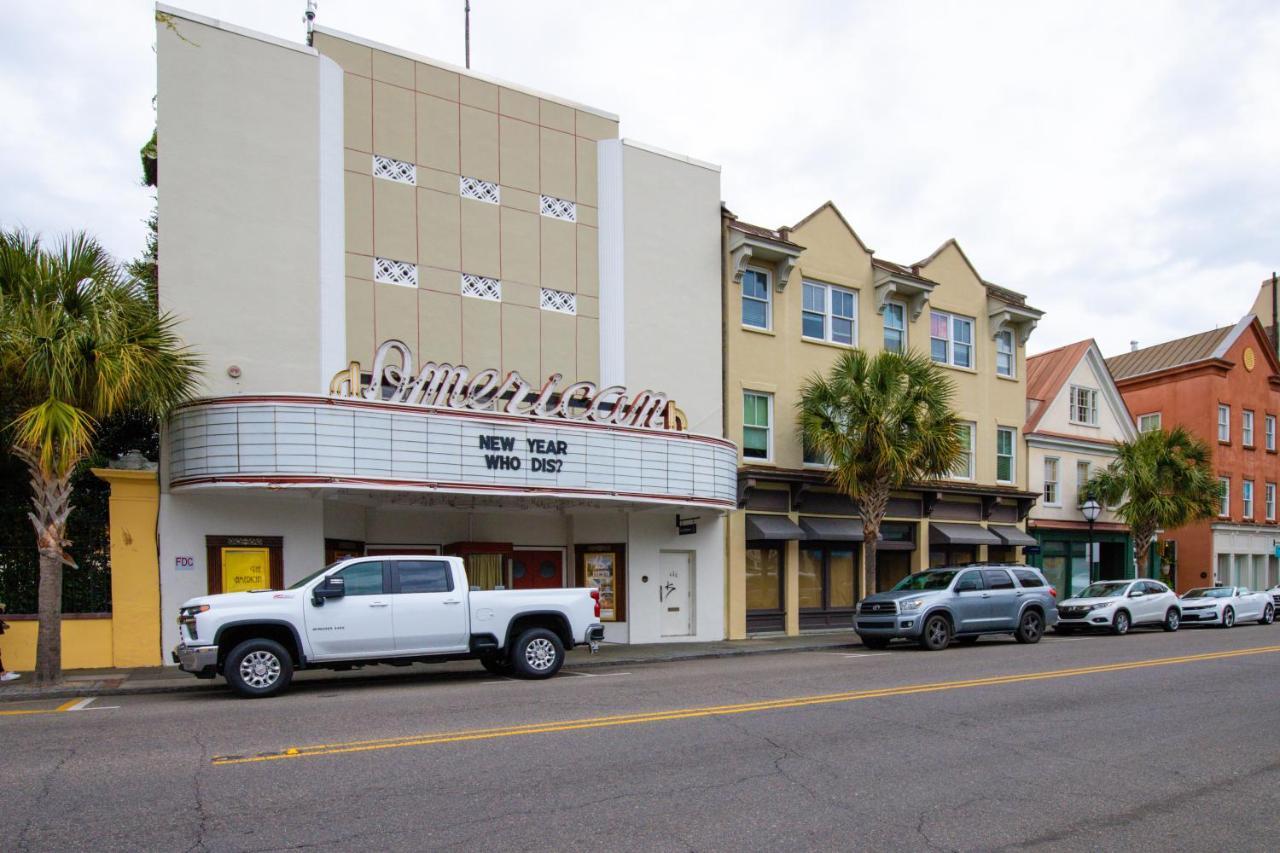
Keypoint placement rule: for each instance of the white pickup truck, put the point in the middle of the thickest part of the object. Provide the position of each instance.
(370, 610)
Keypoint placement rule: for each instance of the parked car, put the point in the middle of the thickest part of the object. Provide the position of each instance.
(936, 606)
(1226, 605)
(369, 610)
(1274, 592)
(1117, 606)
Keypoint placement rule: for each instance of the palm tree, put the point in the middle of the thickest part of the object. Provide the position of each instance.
(1160, 480)
(882, 423)
(79, 341)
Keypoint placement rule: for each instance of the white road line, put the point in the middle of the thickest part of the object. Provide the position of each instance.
(82, 704)
(868, 655)
(592, 674)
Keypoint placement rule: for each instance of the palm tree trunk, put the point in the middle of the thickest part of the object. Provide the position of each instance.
(873, 503)
(51, 504)
(1142, 537)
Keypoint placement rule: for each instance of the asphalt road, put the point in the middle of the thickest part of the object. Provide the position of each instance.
(1150, 741)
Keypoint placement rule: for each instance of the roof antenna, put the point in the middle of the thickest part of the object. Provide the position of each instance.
(309, 17)
(466, 7)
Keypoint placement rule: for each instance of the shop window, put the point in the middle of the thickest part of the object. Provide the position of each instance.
(826, 582)
(764, 577)
(1002, 554)
(891, 567)
(604, 567)
(952, 555)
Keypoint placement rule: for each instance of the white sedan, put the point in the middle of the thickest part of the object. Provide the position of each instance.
(1117, 606)
(1226, 605)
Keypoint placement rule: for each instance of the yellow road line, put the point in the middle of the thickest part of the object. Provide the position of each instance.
(65, 706)
(721, 710)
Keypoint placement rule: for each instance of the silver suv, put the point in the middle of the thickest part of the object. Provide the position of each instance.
(936, 606)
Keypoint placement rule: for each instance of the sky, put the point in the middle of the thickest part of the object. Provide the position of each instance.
(1118, 162)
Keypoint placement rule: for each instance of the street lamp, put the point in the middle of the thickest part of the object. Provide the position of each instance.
(1090, 509)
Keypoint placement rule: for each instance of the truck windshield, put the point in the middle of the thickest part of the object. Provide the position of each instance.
(317, 573)
(926, 580)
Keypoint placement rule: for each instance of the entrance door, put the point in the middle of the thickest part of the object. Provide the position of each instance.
(675, 593)
(244, 569)
(537, 569)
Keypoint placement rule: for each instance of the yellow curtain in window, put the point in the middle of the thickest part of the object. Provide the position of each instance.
(484, 570)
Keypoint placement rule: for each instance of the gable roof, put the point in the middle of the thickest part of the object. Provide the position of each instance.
(1004, 294)
(830, 204)
(1047, 372)
(1202, 346)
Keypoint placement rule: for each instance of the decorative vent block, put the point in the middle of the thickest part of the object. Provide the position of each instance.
(481, 287)
(388, 271)
(394, 170)
(479, 190)
(558, 208)
(558, 300)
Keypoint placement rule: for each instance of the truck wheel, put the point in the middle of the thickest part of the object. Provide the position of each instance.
(538, 653)
(496, 665)
(258, 668)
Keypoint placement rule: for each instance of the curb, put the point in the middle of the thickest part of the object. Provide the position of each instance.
(197, 685)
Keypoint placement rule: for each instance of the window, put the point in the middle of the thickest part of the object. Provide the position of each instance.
(1246, 428)
(969, 581)
(829, 314)
(362, 578)
(757, 415)
(813, 456)
(1246, 498)
(1271, 432)
(1004, 353)
(1148, 423)
(997, 579)
(1224, 496)
(423, 576)
(964, 465)
(1224, 423)
(1005, 470)
(950, 339)
(1270, 495)
(1027, 578)
(827, 574)
(895, 327)
(756, 303)
(1051, 492)
(1084, 406)
(1082, 478)
(764, 580)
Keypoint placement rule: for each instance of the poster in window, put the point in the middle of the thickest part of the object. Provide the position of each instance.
(602, 573)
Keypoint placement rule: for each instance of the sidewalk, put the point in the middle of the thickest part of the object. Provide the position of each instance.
(169, 679)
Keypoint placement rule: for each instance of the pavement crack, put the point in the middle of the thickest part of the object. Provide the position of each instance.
(202, 812)
(46, 787)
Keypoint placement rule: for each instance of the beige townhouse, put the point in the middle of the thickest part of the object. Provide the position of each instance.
(794, 299)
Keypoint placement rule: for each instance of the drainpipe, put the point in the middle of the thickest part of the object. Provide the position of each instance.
(1275, 317)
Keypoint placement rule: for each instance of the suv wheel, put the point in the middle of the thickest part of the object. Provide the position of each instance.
(538, 653)
(1120, 624)
(1268, 615)
(1172, 619)
(936, 635)
(258, 668)
(1030, 627)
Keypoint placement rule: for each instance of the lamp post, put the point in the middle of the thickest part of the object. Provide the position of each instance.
(1090, 509)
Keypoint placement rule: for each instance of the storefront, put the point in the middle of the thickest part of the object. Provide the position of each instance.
(1062, 553)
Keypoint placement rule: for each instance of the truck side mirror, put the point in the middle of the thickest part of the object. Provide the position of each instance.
(331, 587)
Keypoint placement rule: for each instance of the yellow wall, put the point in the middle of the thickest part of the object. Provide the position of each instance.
(130, 636)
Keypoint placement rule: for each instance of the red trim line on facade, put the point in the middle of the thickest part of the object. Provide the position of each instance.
(492, 417)
(304, 480)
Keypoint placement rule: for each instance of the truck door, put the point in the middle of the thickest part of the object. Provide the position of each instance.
(430, 614)
(359, 623)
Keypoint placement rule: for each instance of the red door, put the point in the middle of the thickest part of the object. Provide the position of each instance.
(537, 569)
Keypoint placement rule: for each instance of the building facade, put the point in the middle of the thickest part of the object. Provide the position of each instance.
(1224, 387)
(435, 314)
(1075, 418)
(794, 299)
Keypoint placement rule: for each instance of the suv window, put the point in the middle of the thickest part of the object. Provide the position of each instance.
(1027, 578)
(423, 576)
(997, 579)
(363, 578)
(1154, 588)
(969, 581)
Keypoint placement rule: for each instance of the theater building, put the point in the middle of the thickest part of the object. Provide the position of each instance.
(435, 313)
(794, 299)
(1223, 386)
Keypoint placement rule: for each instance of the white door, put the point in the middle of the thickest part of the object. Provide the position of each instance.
(430, 615)
(675, 593)
(359, 623)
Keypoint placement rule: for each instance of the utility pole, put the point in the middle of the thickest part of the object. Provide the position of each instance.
(467, 11)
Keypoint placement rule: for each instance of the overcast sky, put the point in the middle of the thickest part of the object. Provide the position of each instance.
(1118, 162)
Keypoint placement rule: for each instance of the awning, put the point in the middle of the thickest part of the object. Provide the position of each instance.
(772, 527)
(1012, 535)
(946, 533)
(832, 529)
(895, 545)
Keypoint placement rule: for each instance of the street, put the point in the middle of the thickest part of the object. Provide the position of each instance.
(1146, 741)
